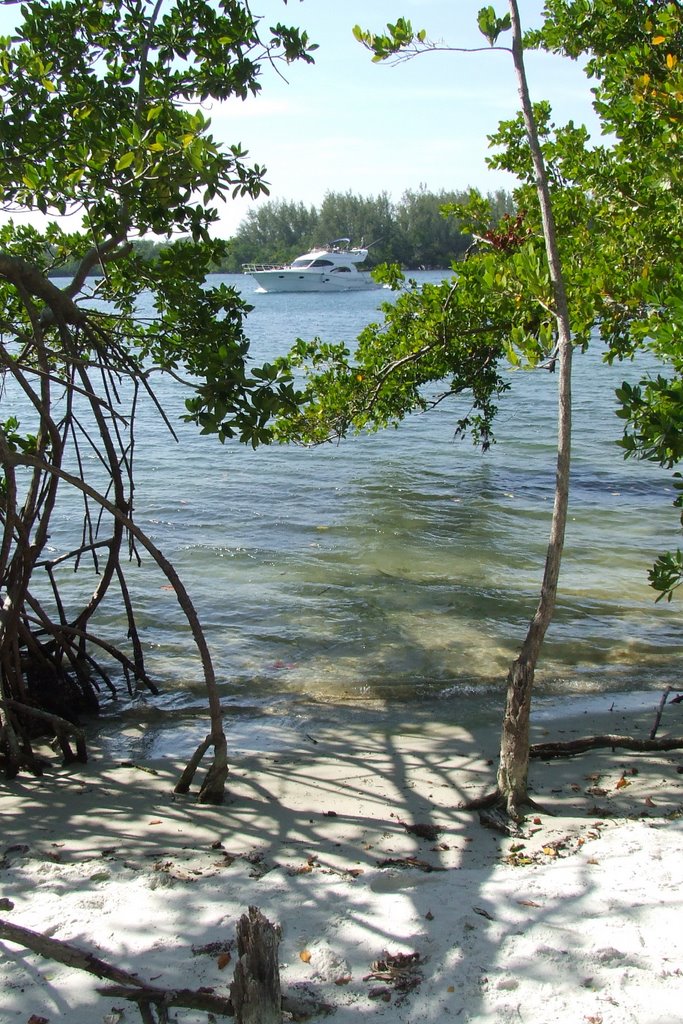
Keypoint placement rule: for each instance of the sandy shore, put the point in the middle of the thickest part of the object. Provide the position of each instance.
(578, 919)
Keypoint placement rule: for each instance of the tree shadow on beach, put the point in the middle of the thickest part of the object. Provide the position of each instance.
(353, 842)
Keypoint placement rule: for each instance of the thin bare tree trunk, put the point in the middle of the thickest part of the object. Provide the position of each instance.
(514, 748)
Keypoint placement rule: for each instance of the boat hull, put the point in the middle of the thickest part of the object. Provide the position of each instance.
(307, 281)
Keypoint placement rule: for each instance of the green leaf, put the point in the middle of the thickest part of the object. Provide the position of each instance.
(31, 177)
(490, 25)
(125, 161)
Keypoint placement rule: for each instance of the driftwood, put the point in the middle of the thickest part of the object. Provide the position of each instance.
(65, 953)
(190, 999)
(127, 985)
(564, 748)
(255, 989)
(658, 716)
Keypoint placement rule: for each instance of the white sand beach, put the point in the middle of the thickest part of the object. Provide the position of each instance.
(576, 920)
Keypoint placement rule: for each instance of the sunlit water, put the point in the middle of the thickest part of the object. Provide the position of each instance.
(401, 566)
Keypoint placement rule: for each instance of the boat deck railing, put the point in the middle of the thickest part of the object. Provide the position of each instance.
(251, 268)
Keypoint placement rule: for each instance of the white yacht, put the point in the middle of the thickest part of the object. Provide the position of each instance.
(333, 268)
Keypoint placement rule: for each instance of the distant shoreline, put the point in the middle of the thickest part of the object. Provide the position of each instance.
(241, 273)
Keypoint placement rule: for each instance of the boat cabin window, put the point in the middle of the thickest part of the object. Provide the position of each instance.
(341, 270)
(300, 264)
(322, 263)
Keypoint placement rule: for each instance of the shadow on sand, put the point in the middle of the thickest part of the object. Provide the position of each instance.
(321, 838)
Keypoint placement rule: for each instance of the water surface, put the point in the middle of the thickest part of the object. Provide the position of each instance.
(398, 566)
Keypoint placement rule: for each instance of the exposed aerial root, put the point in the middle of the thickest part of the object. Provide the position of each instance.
(503, 813)
(493, 799)
(212, 790)
(185, 781)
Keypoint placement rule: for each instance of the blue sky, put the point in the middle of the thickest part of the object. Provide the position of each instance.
(346, 124)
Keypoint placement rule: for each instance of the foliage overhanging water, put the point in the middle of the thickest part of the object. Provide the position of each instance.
(398, 566)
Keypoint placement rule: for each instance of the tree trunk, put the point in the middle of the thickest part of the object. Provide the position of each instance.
(514, 748)
(514, 743)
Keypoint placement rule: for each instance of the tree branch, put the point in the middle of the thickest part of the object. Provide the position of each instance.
(127, 985)
(564, 748)
(20, 273)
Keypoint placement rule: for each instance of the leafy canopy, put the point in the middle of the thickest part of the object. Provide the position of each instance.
(105, 118)
(634, 53)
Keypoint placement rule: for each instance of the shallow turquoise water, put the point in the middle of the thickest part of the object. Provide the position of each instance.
(399, 566)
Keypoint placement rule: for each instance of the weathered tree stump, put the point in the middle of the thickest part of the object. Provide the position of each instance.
(255, 990)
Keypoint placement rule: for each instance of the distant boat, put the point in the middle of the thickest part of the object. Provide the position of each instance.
(332, 268)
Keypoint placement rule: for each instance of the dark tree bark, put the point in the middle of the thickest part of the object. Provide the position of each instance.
(127, 985)
(255, 991)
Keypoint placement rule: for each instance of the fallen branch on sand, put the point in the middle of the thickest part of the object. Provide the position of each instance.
(255, 996)
(65, 953)
(564, 748)
(256, 989)
(128, 985)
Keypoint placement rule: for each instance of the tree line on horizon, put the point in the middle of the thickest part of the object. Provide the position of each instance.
(414, 232)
